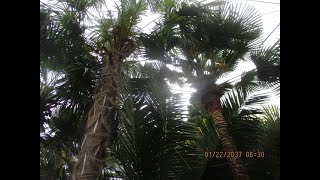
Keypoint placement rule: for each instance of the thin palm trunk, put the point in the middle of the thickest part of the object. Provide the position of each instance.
(215, 109)
(97, 131)
(97, 134)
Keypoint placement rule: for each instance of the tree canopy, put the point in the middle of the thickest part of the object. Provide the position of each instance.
(150, 135)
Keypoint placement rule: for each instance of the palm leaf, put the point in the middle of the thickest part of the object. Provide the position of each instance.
(269, 166)
(267, 62)
(236, 100)
(155, 142)
(48, 99)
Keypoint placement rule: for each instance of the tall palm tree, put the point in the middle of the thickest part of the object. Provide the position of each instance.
(116, 43)
(113, 42)
(212, 41)
(103, 44)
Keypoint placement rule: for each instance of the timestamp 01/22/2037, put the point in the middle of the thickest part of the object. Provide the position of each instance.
(235, 154)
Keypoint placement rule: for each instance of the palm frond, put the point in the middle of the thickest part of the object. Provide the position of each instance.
(158, 44)
(55, 161)
(251, 83)
(245, 128)
(269, 166)
(48, 99)
(267, 62)
(209, 138)
(271, 113)
(155, 142)
(61, 39)
(84, 5)
(234, 27)
(154, 46)
(222, 37)
(237, 100)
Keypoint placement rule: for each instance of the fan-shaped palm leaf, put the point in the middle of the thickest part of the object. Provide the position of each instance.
(154, 143)
(267, 62)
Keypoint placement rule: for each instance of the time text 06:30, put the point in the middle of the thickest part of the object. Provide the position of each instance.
(236, 154)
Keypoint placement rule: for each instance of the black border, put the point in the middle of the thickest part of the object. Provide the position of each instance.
(20, 88)
(298, 102)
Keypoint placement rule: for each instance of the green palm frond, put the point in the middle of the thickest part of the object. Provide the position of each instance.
(250, 82)
(154, 46)
(50, 35)
(267, 62)
(274, 86)
(206, 128)
(101, 33)
(242, 22)
(61, 39)
(271, 113)
(84, 5)
(234, 27)
(155, 5)
(212, 41)
(48, 99)
(172, 76)
(235, 101)
(150, 139)
(60, 146)
(128, 14)
(80, 7)
(158, 44)
(267, 72)
(269, 166)
(249, 131)
(112, 31)
(245, 128)
(63, 49)
(67, 127)
(154, 142)
(164, 5)
(270, 54)
(55, 162)
(247, 78)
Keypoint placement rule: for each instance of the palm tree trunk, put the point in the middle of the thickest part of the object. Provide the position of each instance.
(215, 109)
(97, 133)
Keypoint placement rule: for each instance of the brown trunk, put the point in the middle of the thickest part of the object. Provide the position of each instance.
(97, 131)
(236, 164)
(97, 135)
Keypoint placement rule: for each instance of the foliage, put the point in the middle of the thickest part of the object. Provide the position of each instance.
(151, 138)
(154, 142)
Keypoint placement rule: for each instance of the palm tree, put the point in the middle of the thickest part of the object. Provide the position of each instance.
(253, 129)
(116, 41)
(211, 43)
(113, 41)
(77, 57)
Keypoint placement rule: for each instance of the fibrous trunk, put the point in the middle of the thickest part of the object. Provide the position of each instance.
(235, 163)
(97, 133)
